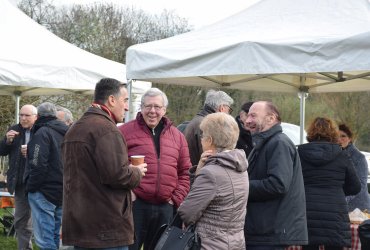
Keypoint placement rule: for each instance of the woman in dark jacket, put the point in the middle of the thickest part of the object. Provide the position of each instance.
(362, 199)
(329, 176)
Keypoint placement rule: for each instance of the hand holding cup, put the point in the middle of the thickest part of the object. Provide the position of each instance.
(24, 150)
(138, 161)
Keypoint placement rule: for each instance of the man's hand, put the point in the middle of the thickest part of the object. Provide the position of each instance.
(10, 135)
(142, 167)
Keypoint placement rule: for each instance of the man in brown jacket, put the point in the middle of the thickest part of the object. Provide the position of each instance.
(98, 178)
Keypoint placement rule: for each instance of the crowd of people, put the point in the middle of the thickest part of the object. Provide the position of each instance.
(241, 181)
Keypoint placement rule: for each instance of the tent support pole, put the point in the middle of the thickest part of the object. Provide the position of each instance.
(17, 101)
(302, 107)
(130, 103)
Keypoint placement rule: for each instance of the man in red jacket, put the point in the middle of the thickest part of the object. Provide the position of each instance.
(166, 152)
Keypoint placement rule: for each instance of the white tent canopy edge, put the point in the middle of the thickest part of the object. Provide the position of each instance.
(33, 61)
(303, 46)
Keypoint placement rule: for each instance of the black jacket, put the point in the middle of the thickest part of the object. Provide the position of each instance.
(193, 134)
(16, 161)
(44, 171)
(328, 176)
(276, 209)
(245, 138)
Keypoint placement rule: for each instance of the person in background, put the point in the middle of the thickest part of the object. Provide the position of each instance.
(329, 176)
(98, 178)
(65, 115)
(362, 199)
(18, 135)
(245, 138)
(44, 176)
(218, 198)
(216, 101)
(166, 152)
(276, 206)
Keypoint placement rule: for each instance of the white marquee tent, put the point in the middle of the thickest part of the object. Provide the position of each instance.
(33, 61)
(303, 46)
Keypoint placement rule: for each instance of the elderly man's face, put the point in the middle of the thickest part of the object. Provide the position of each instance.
(153, 110)
(26, 117)
(258, 120)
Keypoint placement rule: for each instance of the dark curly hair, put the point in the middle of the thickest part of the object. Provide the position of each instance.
(343, 127)
(323, 129)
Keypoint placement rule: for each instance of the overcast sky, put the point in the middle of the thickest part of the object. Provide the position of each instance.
(197, 12)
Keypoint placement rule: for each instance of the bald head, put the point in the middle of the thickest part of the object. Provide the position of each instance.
(27, 116)
(262, 116)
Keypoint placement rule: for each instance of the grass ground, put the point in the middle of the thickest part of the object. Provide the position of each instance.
(8, 243)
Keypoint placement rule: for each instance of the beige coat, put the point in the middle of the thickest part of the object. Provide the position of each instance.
(217, 201)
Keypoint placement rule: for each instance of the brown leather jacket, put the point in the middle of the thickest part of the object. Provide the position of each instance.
(97, 206)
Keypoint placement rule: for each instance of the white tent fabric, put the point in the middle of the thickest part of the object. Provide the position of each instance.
(288, 46)
(303, 46)
(33, 61)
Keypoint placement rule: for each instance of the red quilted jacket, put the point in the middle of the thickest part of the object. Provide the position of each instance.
(167, 176)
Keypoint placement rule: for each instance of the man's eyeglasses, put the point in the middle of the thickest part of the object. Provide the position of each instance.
(230, 109)
(149, 107)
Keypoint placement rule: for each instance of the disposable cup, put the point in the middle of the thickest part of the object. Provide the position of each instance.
(24, 146)
(137, 159)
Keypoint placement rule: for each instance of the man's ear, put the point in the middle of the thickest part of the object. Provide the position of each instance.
(111, 101)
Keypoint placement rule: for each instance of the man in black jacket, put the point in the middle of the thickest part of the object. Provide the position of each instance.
(11, 145)
(216, 101)
(276, 207)
(44, 176)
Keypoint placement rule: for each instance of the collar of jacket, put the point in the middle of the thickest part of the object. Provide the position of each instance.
(140, 120)
(260, 138)
(98, 111)
(206, 110)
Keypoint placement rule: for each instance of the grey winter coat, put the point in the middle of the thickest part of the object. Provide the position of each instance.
(362, 199)
(217, 201)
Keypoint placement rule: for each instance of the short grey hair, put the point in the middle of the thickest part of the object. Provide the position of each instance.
(215, 99)
(152, 92)
(68, 117)
(47, 109)
(222, 128)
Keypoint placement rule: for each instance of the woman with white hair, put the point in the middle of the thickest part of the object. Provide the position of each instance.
(218, 197)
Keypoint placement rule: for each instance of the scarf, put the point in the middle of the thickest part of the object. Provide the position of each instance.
(105, 109)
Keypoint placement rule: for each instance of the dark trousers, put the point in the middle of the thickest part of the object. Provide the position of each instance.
(22, 219)
(316, 247)
(148, 218)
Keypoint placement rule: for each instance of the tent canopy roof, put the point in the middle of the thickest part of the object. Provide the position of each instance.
(34, 61)
(287, 46)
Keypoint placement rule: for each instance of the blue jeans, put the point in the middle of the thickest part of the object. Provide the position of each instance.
(110, 248)
(46, 220)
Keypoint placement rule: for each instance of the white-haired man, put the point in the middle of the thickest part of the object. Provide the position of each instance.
(18, 135)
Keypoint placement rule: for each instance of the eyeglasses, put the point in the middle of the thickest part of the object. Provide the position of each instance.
(230, 109)
(149, 107)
